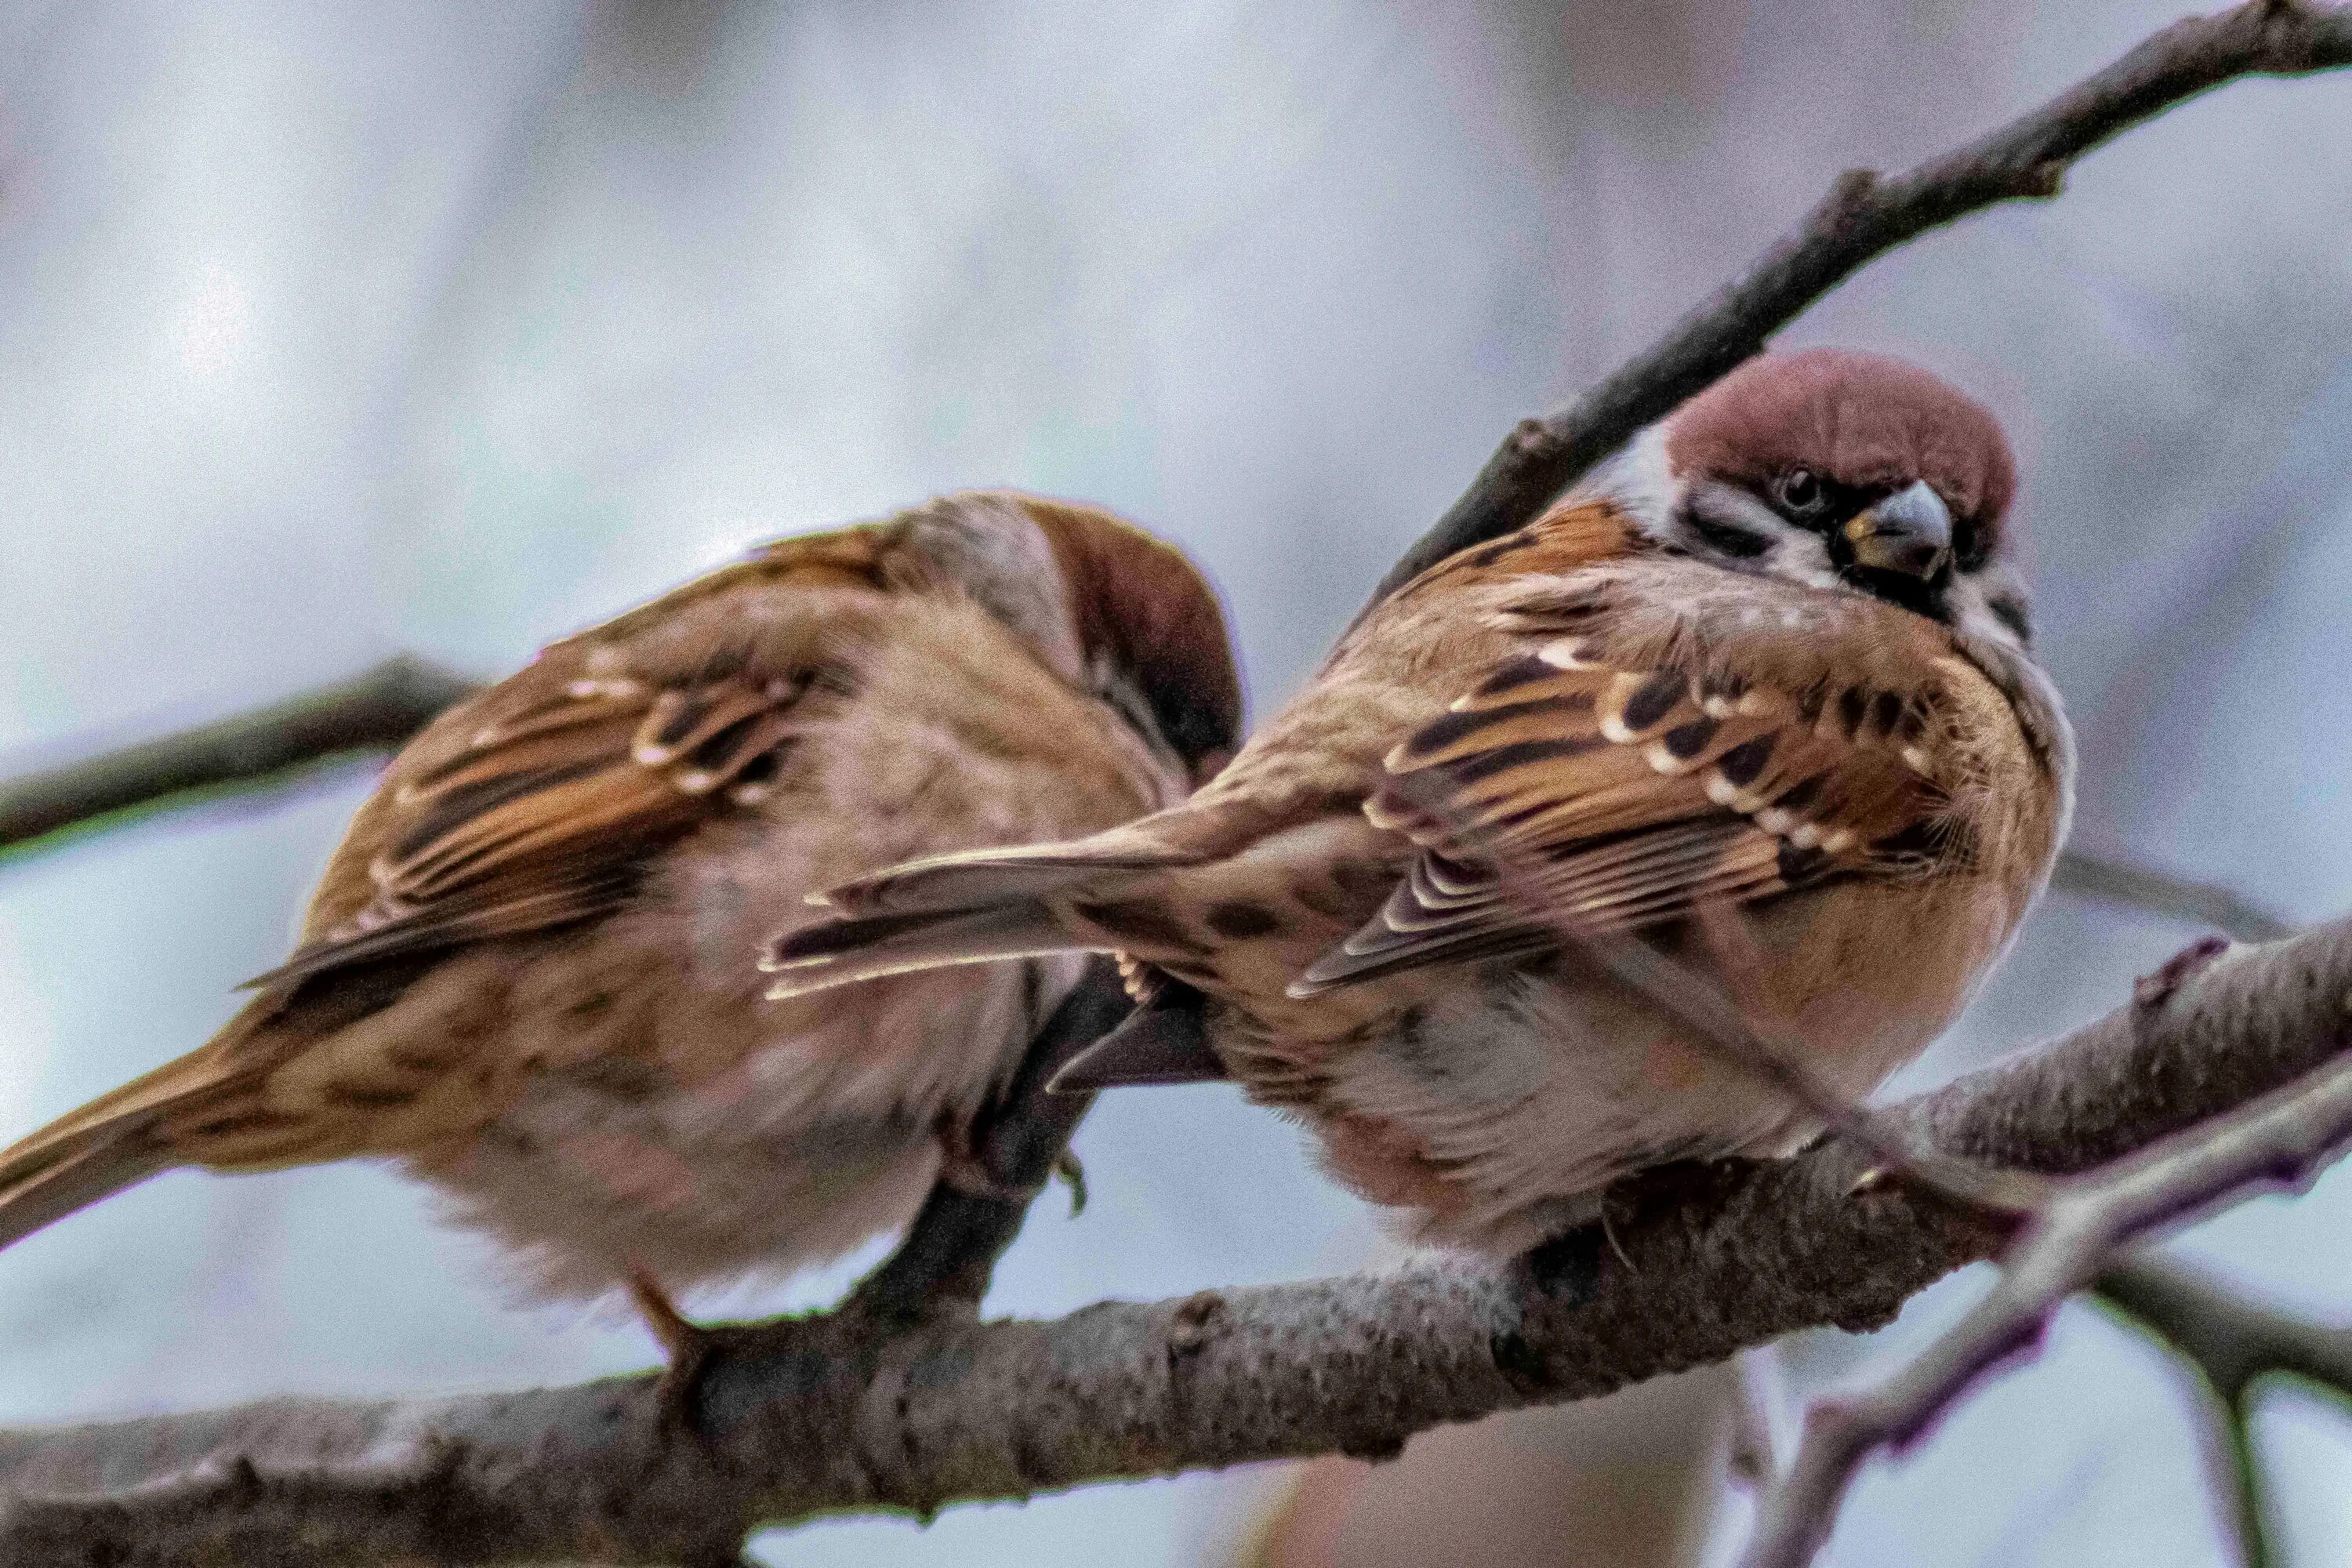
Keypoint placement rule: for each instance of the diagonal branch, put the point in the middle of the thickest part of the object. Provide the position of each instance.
(951, 1248)
(847, 1416)
(2139, 888)
(2281, 1140)
(1864, 215)
(374, 712)
(2232, 1345)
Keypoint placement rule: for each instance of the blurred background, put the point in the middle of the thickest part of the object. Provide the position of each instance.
(331, 329)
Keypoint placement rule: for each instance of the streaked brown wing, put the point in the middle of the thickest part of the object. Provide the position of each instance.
(549, 808)
(1611, 788)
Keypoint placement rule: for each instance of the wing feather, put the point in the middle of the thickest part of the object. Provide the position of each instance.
(546, 814)
(1610, 783)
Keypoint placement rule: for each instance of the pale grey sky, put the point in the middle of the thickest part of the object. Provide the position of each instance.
(329, 328)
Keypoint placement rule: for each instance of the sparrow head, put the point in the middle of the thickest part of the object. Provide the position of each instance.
(1103, 604)
(1151, 636)
(1840, 469)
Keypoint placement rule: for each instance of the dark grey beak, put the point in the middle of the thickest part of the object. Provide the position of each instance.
(1909, 533)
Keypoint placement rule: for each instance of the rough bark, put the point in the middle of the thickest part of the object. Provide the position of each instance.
(836, 1414)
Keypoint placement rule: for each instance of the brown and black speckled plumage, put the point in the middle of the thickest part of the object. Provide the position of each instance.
(1692, 684)
(529, 971)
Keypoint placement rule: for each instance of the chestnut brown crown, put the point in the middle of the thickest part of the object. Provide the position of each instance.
(1862, 422)
(1144, 610)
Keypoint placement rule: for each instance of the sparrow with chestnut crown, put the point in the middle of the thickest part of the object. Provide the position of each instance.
(1775, 658)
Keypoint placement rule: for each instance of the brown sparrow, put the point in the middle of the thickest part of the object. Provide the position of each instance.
(1774, 659)
(528, 974)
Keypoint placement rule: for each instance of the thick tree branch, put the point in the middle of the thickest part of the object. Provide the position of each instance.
(1864, 215)
(374, 712)
(845, 1417)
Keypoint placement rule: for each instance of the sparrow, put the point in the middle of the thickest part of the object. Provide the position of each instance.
(528, 974)
(1773, 661)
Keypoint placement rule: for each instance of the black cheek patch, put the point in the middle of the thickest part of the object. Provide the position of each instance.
(1729, 538)
(2011, 613)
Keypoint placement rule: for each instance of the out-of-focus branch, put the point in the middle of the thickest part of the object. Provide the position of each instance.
(836, 1413)
(2232, 1344)
(2139, 888)
(2282, 1139)
(2231, 1341)
(1864, 215)
(374, 712)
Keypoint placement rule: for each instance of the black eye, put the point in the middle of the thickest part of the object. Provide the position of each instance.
(2013, 614)
(1801, 492)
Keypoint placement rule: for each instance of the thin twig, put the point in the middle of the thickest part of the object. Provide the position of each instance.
(850, 1418)
(1864, 216)
(2232, 1342)
(1747, 1459)
(2280, 1141)
(374, 712)
(2235, 1472)
(2232, 1346)
(2142, 887)
(1732, 1020)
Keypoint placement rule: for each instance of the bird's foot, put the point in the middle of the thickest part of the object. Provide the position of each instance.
(1072, 1174)
(687, 1350)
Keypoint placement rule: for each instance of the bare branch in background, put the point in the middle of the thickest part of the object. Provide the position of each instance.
(2231, 1341)
(1864, 215)
(901, 1400)
(2282, 1140)
(374, 713)
(1747, 1459)
(2234, 1346)
(836, 1413)
(2139, 888)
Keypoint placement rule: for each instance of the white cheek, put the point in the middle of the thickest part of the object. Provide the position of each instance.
(1973, 617)
(1802, 558)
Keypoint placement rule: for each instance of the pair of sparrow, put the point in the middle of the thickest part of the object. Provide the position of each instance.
(1774, 658)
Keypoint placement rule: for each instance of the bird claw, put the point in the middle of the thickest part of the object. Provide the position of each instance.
(1872, 1179)
(687, 1350)
(1073, 1174)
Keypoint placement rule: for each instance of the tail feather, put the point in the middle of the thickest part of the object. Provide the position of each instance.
(76, 1179)
(972, 877)
(818, 957)
(977, 905)
(117, 1140)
